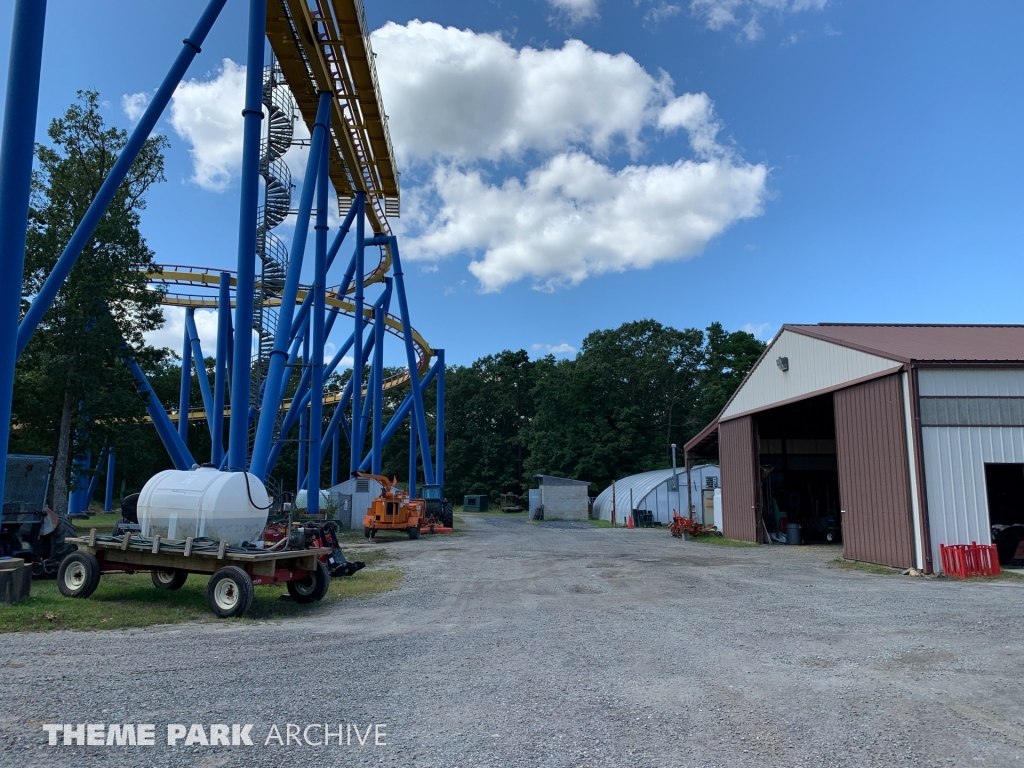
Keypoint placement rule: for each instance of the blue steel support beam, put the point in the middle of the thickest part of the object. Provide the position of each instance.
(419, 416)
(398, 417)
(190, 47)
(199, 363)
(95, 479)
(220, 369)
(439, 428)
(76, 499)
(16, 152)
(378, 382)
(316, 378)
(303, 425)
(412, 455)
(245, 275)
(338, 417)
(279, 355)
(357, 366)
(108, 499)
(180, 456)
(185, 396)
(335, 448)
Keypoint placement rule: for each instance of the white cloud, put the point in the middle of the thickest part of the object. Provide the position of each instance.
(462, 95)
(461, 101)
(172, 334)
(662, 11)
(574, 217)
(759, 330)
(134, 104)
(208, 114)
(719, 14)
(576, 10)
(555, 349)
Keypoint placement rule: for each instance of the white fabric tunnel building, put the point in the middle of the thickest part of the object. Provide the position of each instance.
(657, 492)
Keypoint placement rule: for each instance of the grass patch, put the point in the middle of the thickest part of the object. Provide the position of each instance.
(857, 565)
(602, 523)
(102, 522)
(122, 601)
(721, 541)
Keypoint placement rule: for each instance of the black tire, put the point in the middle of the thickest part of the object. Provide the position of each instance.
(230, 592)
(169, 579)
(79, 574)
(830, 537)
(413, 531)
(312, 588)
(368, 532)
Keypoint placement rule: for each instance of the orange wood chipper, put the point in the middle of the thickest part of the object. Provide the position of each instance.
(393, 510)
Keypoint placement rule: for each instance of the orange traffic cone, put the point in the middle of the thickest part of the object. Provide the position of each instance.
(629, 521)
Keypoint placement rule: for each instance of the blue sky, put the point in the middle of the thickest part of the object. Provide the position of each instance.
(749, 161)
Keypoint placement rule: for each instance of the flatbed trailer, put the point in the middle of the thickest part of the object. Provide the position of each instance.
(233, 574)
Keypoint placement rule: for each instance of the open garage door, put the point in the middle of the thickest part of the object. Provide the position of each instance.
(874, 484)
(741, 514)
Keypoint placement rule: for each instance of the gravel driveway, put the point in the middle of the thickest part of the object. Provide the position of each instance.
(524, 644)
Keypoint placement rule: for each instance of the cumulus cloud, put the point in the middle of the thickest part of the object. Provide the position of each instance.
(467, 104)
(208, 115)
(463, 95)
(172, 334)
(555, 349)
(575, 10)
(574, 217)
(134, 104)
(720, 14)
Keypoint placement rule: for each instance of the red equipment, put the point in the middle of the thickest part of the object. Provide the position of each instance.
(965, 561)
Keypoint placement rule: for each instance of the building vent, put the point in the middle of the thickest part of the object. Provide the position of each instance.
(362, 486)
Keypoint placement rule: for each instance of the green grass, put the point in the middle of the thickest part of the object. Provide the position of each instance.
(857, 565)
(122, 601)
(721, 541)
(102, 522)
(602, 523)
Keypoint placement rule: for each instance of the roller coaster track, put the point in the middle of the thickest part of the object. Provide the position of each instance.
(171, 276)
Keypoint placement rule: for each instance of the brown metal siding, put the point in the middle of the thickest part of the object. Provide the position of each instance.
(874, 489)
(740, 518)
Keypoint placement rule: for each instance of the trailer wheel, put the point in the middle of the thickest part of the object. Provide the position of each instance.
(414, 532)
(369, 532)
(312, 588)
(79, 575)
(230, 592)
(169, 579)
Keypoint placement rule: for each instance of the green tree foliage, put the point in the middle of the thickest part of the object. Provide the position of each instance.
(612, 411)
(72, 393)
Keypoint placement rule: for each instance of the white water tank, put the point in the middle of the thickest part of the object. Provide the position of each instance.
(301, 500)
(225, 506)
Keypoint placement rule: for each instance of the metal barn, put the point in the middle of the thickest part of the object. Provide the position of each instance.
(896, 438)
(655, 491)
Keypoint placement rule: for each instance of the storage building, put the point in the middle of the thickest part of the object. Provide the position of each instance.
(352, 500)
(563, 498)
(896, 438)
(656, 492)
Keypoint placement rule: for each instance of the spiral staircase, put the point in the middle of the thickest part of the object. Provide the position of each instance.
(277, 199)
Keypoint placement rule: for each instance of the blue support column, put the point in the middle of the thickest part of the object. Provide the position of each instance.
(412, 458)
(378, 384)
(316, 378)
(357, 352)
(199, 363)
(335, 448)
(175, 446)
(279, 355)
(16, 152)
(108, 499)
(245, 275)
(398, 417)
(190, 47)
(185, 396)
(79, 484)
(220, 371)
(439, 429)
(94, 480)
(419, 416)
(303, 424)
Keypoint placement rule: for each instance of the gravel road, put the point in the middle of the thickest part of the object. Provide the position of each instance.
(520, 644)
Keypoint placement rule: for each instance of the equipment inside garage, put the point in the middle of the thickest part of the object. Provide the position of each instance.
(898, 440)
(799, 474)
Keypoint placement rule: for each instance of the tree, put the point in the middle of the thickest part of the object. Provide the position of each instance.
(72, 391)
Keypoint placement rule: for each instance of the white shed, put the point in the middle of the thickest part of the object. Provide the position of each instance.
(353, 498)
(563, 498)
(656, 491)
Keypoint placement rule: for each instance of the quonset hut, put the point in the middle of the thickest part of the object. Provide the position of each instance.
(655, 491)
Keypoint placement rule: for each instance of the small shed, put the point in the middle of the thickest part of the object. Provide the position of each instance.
(352, 499)
(563, 498)
(659, 493)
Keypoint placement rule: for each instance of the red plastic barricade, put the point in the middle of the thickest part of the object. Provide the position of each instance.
(965, 561)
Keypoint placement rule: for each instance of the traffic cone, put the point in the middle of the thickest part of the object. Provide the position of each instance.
(629, 521)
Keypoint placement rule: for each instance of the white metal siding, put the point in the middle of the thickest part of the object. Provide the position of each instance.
(564, 502)
(954, 470)
(971, 382)
(814, 365)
